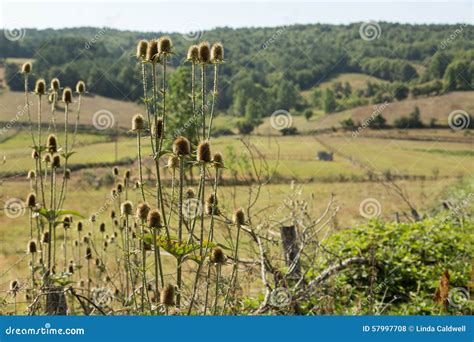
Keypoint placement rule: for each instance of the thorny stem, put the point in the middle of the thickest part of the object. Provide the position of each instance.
(214, 96)
(233, 277)
(180, 227)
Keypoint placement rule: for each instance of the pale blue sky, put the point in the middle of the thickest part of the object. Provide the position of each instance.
(188, 16)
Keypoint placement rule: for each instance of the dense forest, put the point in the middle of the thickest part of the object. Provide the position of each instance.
(266, 68)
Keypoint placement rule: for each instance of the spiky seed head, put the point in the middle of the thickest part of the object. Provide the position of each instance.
(102, 227)
(239, 217)
(80, 87)
(204, 152)
(26, 68)
(190, 193)
(138, 123)
(112, 214)
(31, 200)
(173, 162)
(181, 146)
(146, 246)
(154, 219)
(71, 269)
(76, 243)
(127, 175)
(218, 160)
(88, 253)
(55, 84)
(167, 295)
(79, 226)
(47, 158)
(14, 286)
(116, 171)
(152, 51)
(85, 239)
(211, 205)
(193, 53)
(31, 174)
(204, 53)
(165, 45)
(217, 256)
(56, 161)
(159, 128)
(217, 53)
(127, 208)
(93, 218)
(142, 46)
(106, 244)
(40, 87)
(119, 188)
(67, 222)
(32, 247)
(67, 95)
(34, 154)
(142, 211)
(52, 143)
(67, 174)
(45, 237)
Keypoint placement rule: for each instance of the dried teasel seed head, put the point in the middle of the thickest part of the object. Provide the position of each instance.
(40, 87)
(55, 84)
(239, 217)
(190, 193)
(152, 51)
(173, 162)
(167, 295)
(115, 171)
(138, 123)
(112, 214)
(80, 87)
(102, 227)
(127, 175)
(154, 219)
(181, 146)
(56, 161)
(218, 160)
(218, 256)
(88, 253)
(31, 200)
(165, 45)
(34, 154)
(158, 128)
(204, 53)
(211, 205)
(79, 226)
(14, 286)
(142, 47)
(85, 239)
(93, 218)
(52, 143)
(67, 221)
(71, 269)
(47, 158)
(31, 174)
(142, 211)
(67, 174)
(32, 248)
(26, 68)
(67, 95)
(119, 188)
(217, 53)
(45, 237)
(203, 152)
(193, 53)
(127, 208)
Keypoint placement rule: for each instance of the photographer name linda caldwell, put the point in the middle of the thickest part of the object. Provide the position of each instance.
(440, 328)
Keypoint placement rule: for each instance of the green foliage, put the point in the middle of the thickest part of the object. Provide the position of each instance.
(412, 121)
